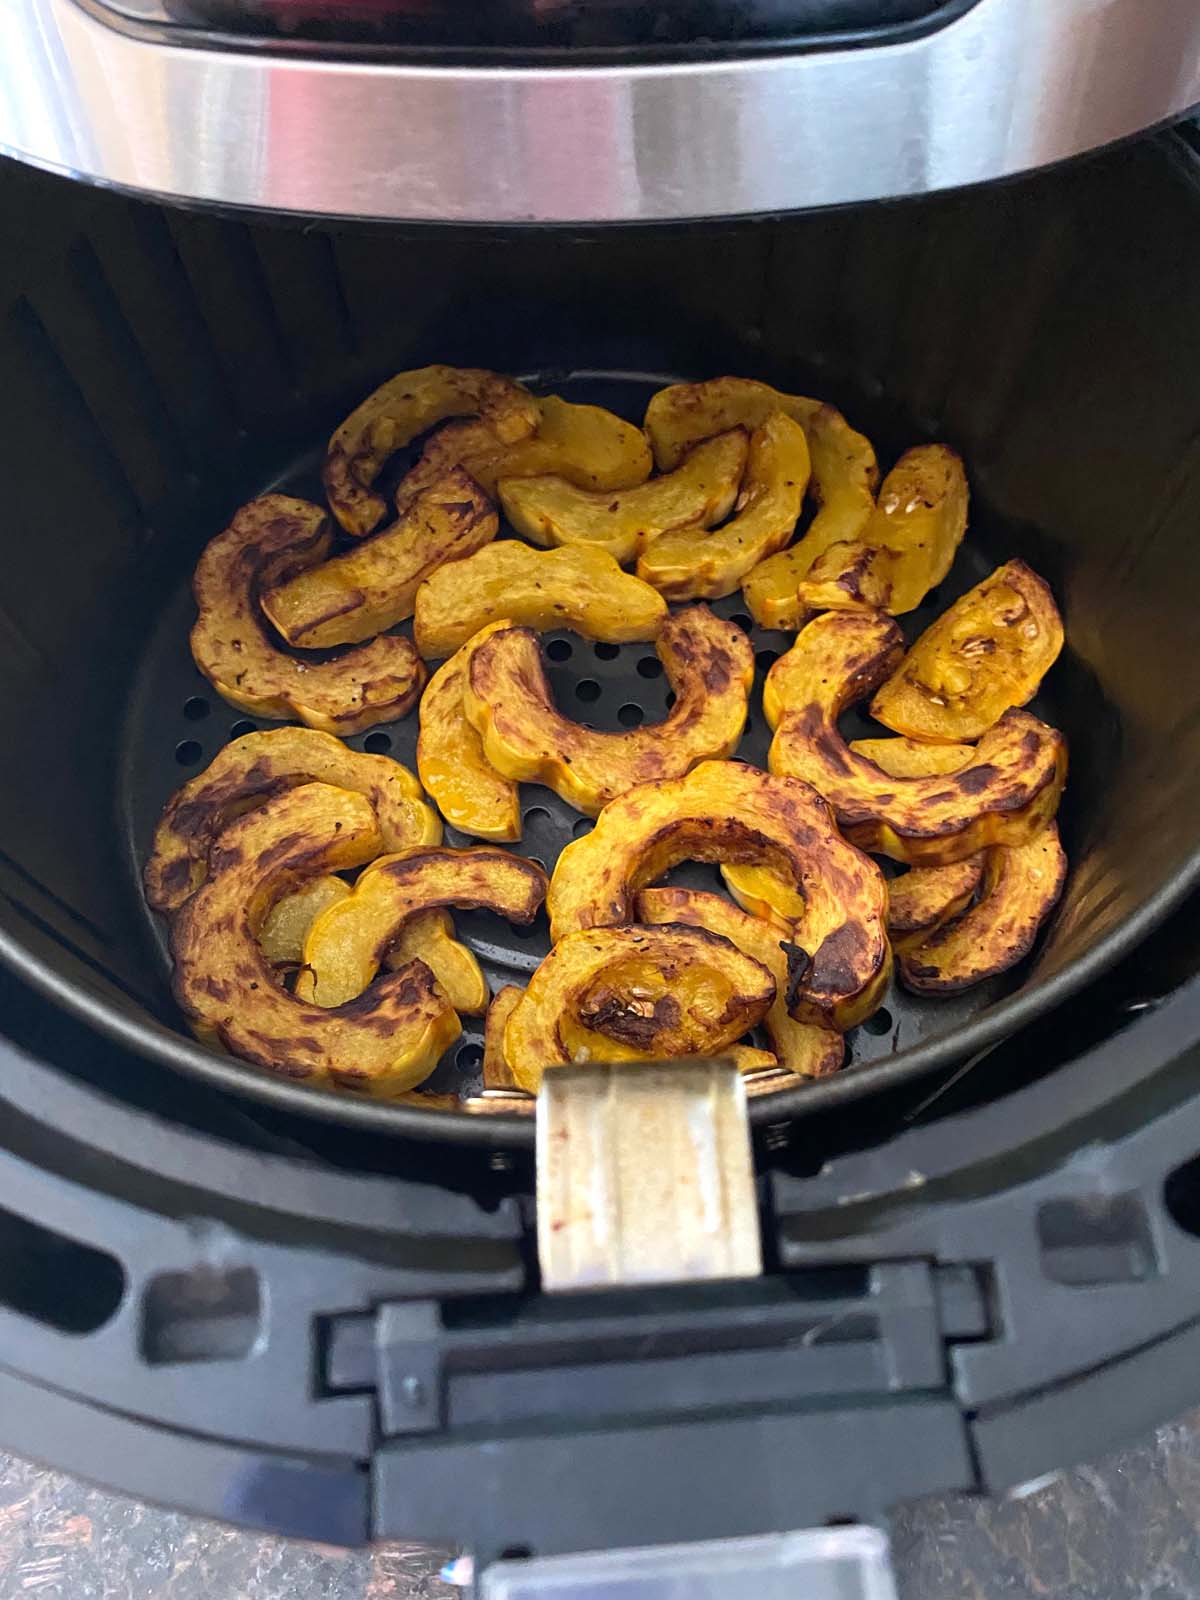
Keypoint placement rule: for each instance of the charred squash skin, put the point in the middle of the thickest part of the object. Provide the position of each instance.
(1007, 793)
(382, 1044)
(269, 540)
(396, 413)
(709, 664)
(725, 811)
(250, 771)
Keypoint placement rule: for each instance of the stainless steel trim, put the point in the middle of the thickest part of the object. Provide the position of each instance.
(1009, 86)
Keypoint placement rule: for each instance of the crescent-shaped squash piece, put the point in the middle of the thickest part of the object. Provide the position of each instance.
(698, 493)
(497, 1074)
(851, 576)
(726, 811)
(800, 1047)
(469, 792)
(346, 946)
(1007, 792)
(397, 412)
(691, 564)
(709, 664)
(634, 993)
(288, 921)
(248, 772)
(575, 587)
(268, 541)
(428, 936)
(1021, 886)
(384, 1043)
(372, 587)
(988, 652)
(589, 446)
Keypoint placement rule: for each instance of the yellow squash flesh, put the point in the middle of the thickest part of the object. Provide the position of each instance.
(468, 791)
(698, 493)
(346, 946)
(921, 517)
(660, 992)
(909, 758)
(692, 564)
(709, 665)
(726, 811)
(1007, 792)
(383, 1044)
(988, 652)
(800, 1047)
(497, 1074)
(288, 921)
(269, 541)
(252, 769)
(372, 587)
(848, 577)
(396, 413)
(428, 936)
(575, 587)
(589, 446)
(1021, 886)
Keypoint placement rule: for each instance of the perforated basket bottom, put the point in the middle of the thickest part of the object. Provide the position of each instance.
(177, 723)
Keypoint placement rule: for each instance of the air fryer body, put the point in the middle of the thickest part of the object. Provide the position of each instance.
(334, 1327)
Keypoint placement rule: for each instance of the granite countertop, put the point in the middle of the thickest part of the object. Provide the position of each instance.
(1125, 1528)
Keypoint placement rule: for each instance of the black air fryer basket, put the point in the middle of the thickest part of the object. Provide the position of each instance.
(323, 1315)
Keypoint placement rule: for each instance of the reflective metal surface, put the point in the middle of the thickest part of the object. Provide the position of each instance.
(1013, 84)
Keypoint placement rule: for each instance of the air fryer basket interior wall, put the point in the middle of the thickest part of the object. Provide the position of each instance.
(163, 366)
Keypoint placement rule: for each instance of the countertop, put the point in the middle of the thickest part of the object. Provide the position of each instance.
(1124, 1528)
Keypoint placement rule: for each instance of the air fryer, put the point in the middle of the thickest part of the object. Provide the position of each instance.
(324, 1315)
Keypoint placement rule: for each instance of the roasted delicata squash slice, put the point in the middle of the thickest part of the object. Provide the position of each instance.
(371, 588)
(346, 945)
(589, 446)
(288, 921)
(690, 563)
(576, 587)
(926, 897)
(268, 541)
(252, 769)
(397, 412)
(988, 652)
(700, 492)
(385, 1043)
(909, 758)
(634, 993)
(1007, 792)
(851, 576)
(708, 662)
(1021, 886)
(497, 1074)
(725, 811)
(800, 1047)
(469, 792)
(428, 936)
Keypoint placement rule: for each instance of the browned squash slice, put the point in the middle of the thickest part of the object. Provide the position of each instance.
(288, 921)
(270, 540)
(909, 758)
(800, 1047)
(589, 446)
(469, 792)
(988, 652)
(700, 492)
(428, 936)
(497, 1074)
(710, 667)
(576, 587)
(848, 577)
(655, 993)
(382, 1044)
(691, 564)
(926, 897)
(725, 811)
(371, 588)
(1021, 886)
(1007, 793)
(346, 945)
(397, 412)
(251, 770)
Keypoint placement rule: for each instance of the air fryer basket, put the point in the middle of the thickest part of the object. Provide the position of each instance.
(162, 367)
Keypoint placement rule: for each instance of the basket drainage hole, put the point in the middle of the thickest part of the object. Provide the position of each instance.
(588, 690)
(650, 667)
(767, 658)
(188, 752)
(741, 620)
(469, 1056)
(607, 652)
(242, 727)
(630, 716)
(559, 650)
(537, 814)
(880, 1022)
(584, 825)
(196, 708)
(377, 744)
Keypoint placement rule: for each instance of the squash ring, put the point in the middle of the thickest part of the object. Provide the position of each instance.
(468, 791)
